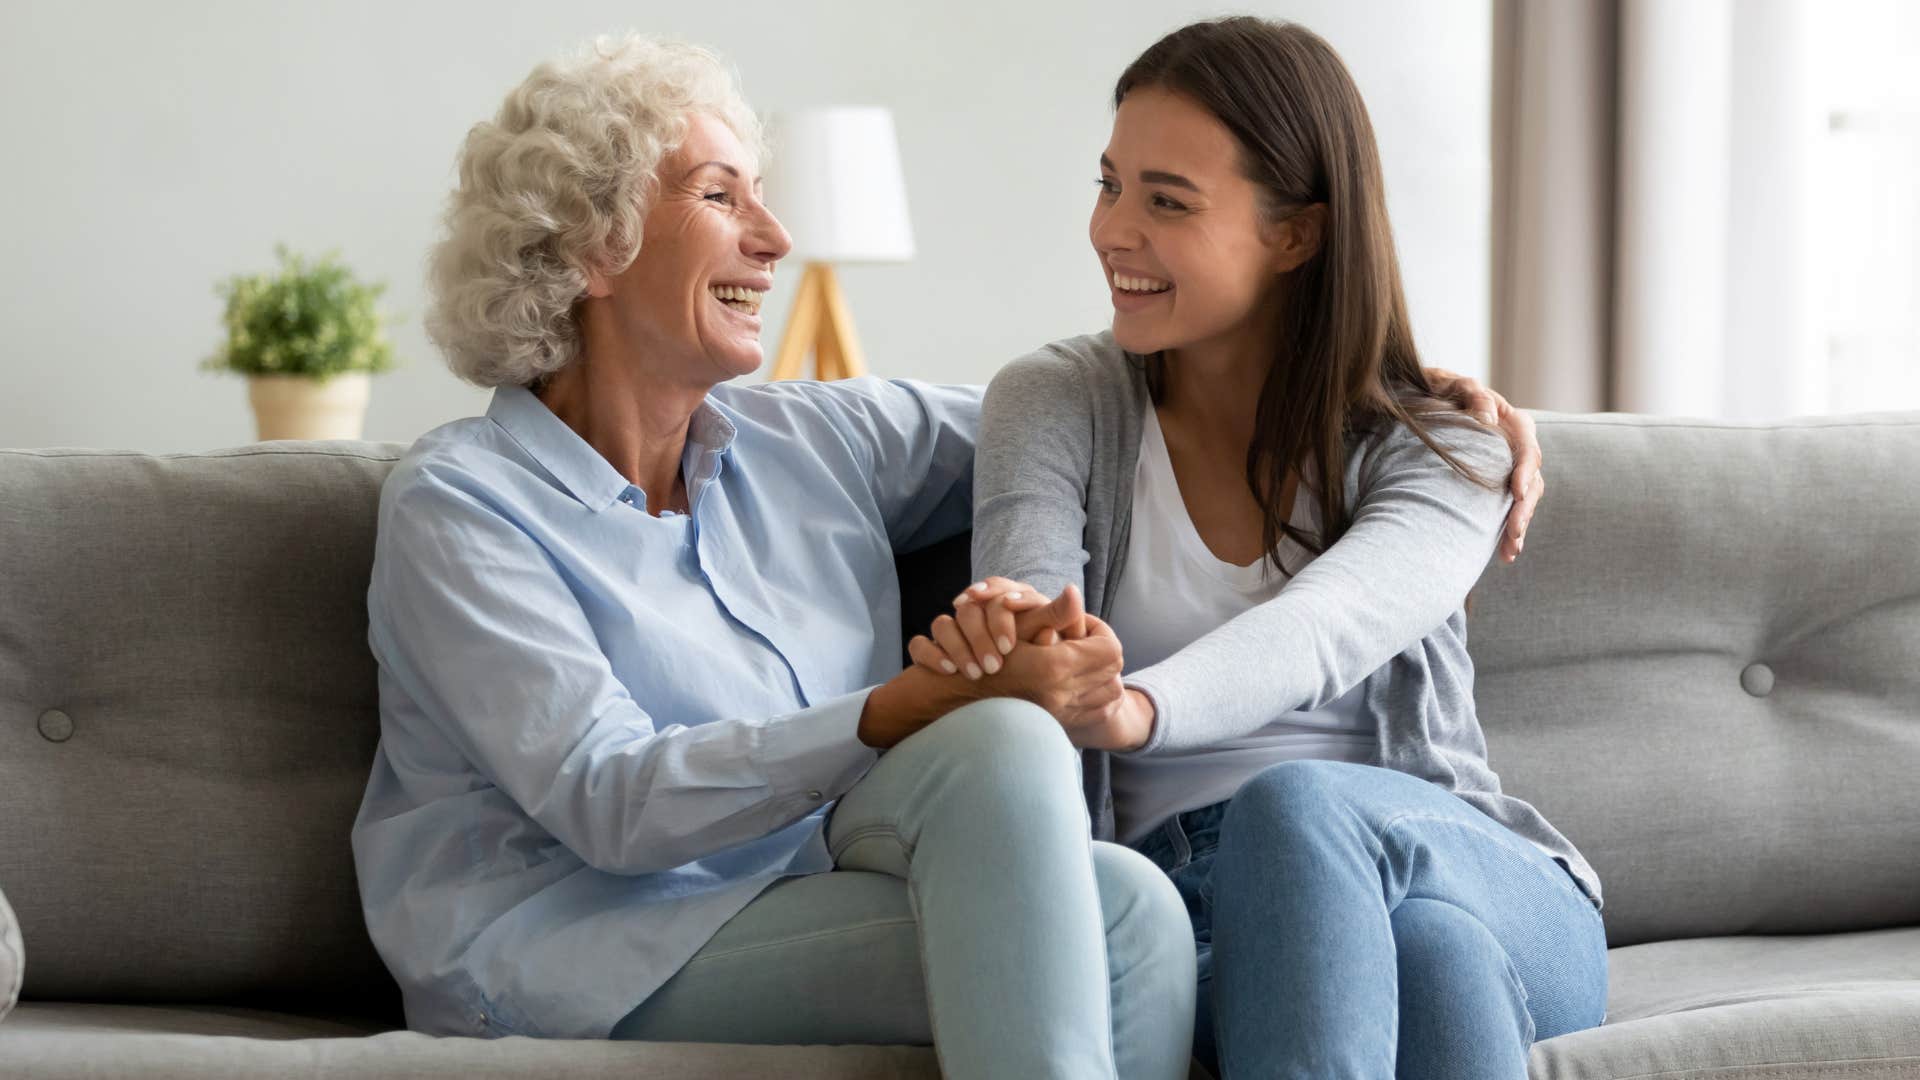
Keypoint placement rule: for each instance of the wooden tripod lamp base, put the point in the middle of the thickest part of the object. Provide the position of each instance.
(820, 323)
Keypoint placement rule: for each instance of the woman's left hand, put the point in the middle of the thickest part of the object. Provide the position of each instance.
(1517, 426)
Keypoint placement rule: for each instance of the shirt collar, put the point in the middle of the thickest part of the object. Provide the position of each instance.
(574, 462)
(712, 429)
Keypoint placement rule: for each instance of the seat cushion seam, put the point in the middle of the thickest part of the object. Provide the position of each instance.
(1850, 1066)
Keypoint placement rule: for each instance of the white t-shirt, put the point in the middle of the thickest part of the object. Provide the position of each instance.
(1172, 591)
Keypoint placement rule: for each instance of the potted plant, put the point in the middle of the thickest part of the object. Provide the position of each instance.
(307, 338)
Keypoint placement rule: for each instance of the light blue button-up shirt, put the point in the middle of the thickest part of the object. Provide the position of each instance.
(603, 732)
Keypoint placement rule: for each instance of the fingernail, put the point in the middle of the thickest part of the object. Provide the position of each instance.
(1014, 595)
(961, 599)
(991, 663)
(973, 671)
(1006, 646)
(977, 586)
(947, 666)
(1491, 419)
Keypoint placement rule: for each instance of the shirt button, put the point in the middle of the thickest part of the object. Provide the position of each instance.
(814, 795)
(480, 1020)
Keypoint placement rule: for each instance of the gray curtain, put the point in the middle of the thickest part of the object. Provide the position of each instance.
(1554, 85)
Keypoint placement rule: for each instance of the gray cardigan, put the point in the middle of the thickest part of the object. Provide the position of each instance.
(1053, 504)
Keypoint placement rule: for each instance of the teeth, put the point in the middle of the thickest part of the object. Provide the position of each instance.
(1140, 284)
(739, 297)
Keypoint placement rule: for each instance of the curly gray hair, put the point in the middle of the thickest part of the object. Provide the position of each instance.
(557, 183)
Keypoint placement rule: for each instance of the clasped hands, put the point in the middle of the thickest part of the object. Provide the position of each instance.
(1008, 640)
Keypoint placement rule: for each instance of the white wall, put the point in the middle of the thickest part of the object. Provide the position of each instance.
(151, 149)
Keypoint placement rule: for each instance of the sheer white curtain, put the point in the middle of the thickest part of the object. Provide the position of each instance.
(1659, 241)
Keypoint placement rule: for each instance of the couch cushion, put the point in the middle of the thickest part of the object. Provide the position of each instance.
(1705, 973)
(1703, 669)
(1783, 1008)
(52, 1042)
(187, 714)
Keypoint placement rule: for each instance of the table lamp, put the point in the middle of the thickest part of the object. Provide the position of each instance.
(835, 182)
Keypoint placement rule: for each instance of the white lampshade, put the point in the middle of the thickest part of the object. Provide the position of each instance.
(835, 183)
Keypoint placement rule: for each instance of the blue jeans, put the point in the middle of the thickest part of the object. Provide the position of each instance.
(1355, 921)
(970, 910)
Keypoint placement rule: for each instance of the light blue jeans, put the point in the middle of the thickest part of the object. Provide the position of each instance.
(1354, 921)
(970, 910)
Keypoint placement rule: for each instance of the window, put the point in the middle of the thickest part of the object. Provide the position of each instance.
(1864, 70)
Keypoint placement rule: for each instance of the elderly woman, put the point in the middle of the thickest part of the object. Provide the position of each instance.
(649, 764)
(638, 634)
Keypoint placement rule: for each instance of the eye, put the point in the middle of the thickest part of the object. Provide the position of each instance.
(1165, 203)
(719, 196)
(1107, 187)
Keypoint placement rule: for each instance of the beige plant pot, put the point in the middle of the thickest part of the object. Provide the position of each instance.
(297, 407)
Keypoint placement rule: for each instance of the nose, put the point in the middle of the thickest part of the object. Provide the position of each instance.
(1114, 227)
(767, 240)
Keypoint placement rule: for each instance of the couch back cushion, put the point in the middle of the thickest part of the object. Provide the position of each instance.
(187, 716)
(1705, 669)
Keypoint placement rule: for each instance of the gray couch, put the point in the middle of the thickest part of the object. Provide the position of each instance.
(1705, 670)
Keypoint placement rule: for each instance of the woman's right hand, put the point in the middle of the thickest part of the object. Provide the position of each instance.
(1064, 660)
(990, 618)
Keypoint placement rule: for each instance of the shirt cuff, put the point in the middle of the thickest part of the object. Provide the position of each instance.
(1158, 736)
(814, 756)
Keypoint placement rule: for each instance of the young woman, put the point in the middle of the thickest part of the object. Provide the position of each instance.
(1257, 489)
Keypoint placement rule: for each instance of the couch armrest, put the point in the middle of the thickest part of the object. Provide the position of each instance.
(13, 958)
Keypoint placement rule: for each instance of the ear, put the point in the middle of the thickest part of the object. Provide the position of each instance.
(1296, 237)
(598, 286)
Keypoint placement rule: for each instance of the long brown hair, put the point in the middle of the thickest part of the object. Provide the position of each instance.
(1346, 361)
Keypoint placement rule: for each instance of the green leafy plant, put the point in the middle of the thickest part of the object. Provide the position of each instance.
(312, 318)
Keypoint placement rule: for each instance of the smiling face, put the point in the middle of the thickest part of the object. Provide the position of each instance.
(1188, 255)
(690, 301)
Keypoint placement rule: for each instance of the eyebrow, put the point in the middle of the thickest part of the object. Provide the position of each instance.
(1155, 176)
(730, 170)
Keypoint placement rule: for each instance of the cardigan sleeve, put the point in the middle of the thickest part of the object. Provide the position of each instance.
(1421, 535)
(1030, 475)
